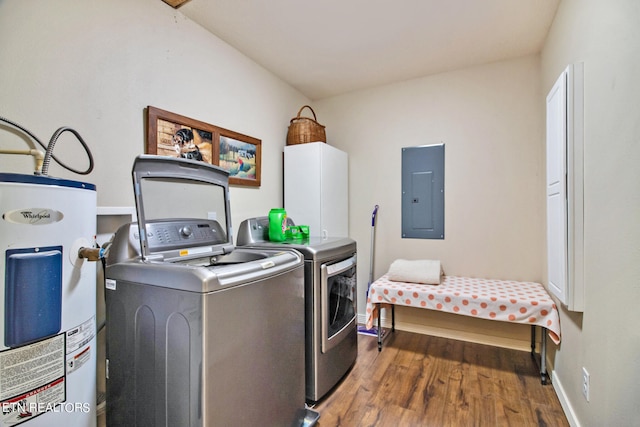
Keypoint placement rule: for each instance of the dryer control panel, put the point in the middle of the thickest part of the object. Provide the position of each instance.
(256, 230)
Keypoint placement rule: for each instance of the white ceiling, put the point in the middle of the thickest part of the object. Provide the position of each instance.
(329, 47)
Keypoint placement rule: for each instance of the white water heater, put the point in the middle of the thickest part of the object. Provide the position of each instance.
(47, 301)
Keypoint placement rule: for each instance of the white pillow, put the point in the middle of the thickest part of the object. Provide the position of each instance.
(416, 271)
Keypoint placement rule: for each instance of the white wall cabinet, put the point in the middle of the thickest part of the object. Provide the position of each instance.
(564, 189)
(316, 188)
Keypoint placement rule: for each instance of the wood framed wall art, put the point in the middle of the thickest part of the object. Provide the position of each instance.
(170, 134)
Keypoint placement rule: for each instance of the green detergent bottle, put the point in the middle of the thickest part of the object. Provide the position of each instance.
(277, 225)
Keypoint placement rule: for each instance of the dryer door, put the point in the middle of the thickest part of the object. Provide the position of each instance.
(338, 300)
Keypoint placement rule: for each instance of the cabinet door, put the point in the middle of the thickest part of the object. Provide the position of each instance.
(316, 182)
(565, 188)
(334, 198)
(556, 188)
(302, 185)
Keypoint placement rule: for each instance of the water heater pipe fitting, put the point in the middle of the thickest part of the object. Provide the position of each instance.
(92, 254)
(37, 154)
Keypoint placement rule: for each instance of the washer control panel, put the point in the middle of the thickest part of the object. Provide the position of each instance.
(184, 233)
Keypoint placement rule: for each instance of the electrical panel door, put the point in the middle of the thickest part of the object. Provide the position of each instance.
(423, 192)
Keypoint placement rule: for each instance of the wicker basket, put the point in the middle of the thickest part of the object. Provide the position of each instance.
(305, 129)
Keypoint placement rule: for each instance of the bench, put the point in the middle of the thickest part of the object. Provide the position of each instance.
(501, 300)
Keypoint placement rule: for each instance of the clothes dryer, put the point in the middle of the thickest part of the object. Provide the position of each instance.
(330, 280)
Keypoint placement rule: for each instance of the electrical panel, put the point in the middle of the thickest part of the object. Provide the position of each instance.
(423, 192)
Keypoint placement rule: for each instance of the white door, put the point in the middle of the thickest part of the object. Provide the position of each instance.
(557, 188)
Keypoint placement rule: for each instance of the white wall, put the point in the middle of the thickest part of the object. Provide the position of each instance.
(96, 65)
(492, 124)
(605, 35)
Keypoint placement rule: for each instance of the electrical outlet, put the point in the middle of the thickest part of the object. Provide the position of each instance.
(585, 383)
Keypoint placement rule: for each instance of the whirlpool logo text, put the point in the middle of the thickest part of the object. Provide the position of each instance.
(33, 216)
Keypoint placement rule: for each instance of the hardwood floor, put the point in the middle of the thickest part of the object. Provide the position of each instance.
(420, 380)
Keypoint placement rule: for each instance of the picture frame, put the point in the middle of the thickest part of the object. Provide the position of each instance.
(241, 155)
(171, 134)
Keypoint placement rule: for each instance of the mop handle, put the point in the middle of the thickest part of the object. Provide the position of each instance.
(373, 224)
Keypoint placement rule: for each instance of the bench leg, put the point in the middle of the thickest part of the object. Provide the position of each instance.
(533, 340)
(543, 357)
(379, 327)
(393, 323)
(543, 352)
(393, 318)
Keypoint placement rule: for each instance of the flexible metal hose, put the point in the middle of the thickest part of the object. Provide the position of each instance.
(49, 152)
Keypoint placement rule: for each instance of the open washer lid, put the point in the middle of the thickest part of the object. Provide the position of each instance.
(183, 208)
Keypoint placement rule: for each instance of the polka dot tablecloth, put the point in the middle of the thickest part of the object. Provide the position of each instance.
(504, 300)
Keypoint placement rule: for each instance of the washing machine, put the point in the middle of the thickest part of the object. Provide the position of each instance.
(200, 333)
(331, 335)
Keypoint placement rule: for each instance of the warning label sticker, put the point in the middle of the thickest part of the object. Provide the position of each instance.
(29, 405)
(75, 362)
(81, 335)
(31, 366)
(32, 379)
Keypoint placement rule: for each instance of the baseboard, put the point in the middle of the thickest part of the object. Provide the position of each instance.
(564, 401)
(456, 334)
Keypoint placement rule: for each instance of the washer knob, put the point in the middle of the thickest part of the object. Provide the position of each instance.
(186, 231)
